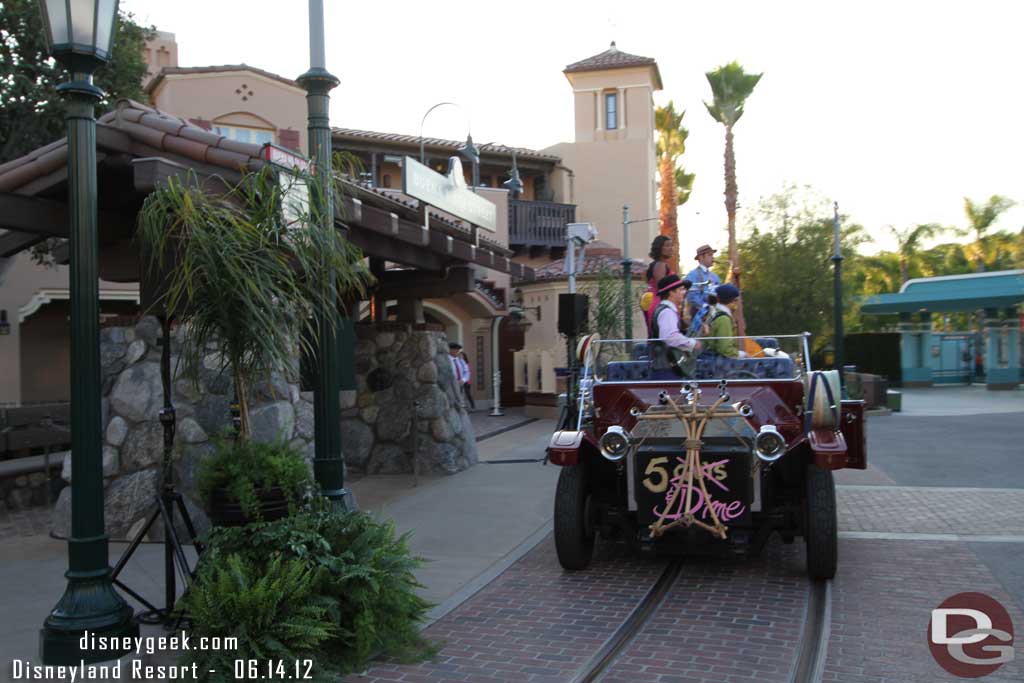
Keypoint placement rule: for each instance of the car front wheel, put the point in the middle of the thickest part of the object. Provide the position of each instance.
(574, 536)
(820, 531)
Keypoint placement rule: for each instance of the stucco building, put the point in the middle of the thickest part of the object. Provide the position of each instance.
(610, 162)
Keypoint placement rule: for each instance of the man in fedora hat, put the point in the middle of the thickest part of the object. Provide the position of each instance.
(704, 281)
(665, 332)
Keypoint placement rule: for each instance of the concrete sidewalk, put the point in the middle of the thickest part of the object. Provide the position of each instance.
(468, 526)
(944, 401)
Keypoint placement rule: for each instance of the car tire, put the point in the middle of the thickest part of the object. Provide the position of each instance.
(821, 533)
(574, 537)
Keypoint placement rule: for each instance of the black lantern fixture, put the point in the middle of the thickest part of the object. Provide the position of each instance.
(471, 154)
(80, 34)
(514, 184)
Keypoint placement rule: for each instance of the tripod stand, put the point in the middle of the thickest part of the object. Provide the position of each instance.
(169, 502)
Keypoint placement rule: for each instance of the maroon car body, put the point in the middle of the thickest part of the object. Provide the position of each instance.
(766, 455)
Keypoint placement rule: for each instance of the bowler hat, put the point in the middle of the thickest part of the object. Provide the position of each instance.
(704, 249)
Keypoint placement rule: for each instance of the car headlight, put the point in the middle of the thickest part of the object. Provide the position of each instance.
(614, 443)
(769, 444)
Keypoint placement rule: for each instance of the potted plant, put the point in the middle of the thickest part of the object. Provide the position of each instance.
(243, 273)
(251, 481)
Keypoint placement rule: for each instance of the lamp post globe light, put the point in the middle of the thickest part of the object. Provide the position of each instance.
(80, 34)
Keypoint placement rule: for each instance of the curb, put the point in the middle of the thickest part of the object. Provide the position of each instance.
(481, 580)
(509, 428)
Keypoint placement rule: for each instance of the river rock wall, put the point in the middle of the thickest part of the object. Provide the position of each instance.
(406, 404)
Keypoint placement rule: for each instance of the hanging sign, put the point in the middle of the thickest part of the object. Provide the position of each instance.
(448, 192)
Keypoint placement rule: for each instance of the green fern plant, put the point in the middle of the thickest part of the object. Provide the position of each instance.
(364, 567)
(244, 468)
(272, 608)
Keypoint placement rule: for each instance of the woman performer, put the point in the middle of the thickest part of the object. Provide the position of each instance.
(661, 254)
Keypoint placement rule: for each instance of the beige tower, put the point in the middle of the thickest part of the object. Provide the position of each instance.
(613, 159)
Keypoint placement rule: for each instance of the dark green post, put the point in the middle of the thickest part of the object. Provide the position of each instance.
(328, 465)
(90, 602)
(837, 262)
(627, 276)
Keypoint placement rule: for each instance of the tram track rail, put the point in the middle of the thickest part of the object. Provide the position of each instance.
(813, 646)
(630, 627)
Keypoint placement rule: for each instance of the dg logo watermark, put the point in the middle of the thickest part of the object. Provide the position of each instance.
(970, 635)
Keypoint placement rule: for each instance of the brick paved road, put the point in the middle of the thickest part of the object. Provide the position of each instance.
(882, 598)
(723, 622)
(535, 623)
(921, 509)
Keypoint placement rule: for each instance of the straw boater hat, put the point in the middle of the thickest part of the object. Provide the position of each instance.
(704, 249)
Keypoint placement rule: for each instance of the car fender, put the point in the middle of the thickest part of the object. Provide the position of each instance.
(568, 447)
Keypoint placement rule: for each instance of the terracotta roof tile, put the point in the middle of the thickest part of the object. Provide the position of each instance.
(184, 147)
(597, 257)
(401, 139)
(612, 58)
(199, 135)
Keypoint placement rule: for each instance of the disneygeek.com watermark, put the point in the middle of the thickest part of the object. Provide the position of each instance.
(970, 635)
(135, 669)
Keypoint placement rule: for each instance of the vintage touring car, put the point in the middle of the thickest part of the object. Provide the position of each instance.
(718, 456)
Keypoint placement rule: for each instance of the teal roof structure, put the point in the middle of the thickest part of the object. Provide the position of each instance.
(948, 293)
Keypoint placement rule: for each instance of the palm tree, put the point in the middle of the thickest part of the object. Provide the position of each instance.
(675, 182)
(730, 88)
(908, 244)
(981, 217)
(240, 277)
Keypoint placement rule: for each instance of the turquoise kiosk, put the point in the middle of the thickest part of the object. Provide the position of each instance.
(928, 357)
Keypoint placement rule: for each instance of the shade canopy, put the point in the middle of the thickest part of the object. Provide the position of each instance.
(80, 33)
(950, 293)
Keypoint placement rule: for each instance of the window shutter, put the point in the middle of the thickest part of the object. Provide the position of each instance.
(289, 138)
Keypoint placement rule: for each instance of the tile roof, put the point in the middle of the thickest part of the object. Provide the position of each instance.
(139, 130)
(143, 131)
(414, 140)
(224, 68)
(598, 257)
(613, 58)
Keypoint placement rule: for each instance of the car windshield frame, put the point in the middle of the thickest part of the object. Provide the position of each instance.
(592, 355)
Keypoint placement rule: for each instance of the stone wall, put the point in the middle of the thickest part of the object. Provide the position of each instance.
(406, 388)
(407, 402)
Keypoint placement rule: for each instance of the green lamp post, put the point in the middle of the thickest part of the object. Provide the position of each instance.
(328, 462)
(80, 34)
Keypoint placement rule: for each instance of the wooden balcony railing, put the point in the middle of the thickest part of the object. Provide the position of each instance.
(538, 224)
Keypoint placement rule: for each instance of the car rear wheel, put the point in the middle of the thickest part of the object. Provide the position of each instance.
(574, 535)
(820, 533)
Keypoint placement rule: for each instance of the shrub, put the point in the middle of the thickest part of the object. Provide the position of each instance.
(272, 608)
(242, 468)
(361, 565)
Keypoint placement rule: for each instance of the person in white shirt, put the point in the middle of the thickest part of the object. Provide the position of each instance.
(460, 370)
(666, 328)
